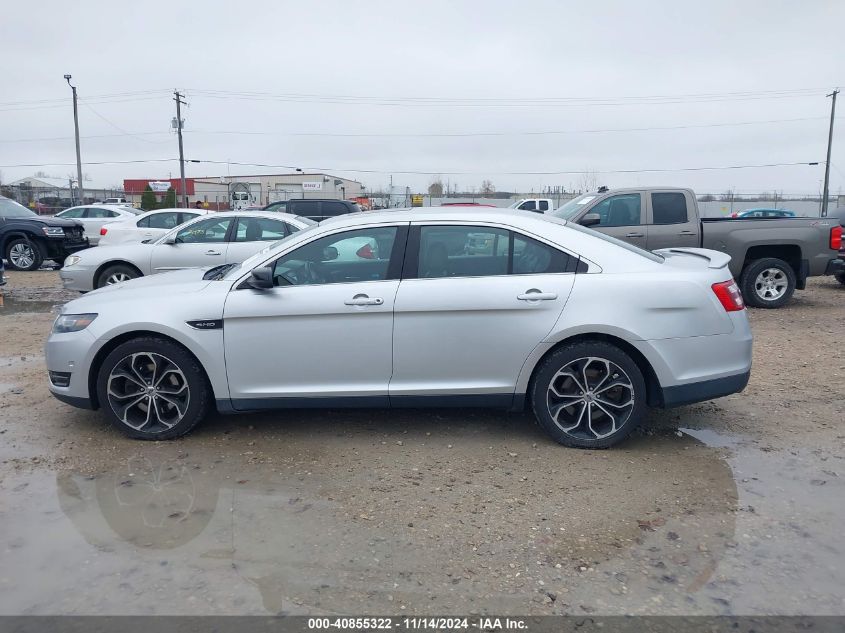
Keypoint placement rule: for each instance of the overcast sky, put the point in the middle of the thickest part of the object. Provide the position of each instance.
(368, 86)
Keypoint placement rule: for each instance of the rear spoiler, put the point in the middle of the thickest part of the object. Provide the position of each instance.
(716, 259)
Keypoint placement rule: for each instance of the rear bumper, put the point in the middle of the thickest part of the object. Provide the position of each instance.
(705, 390)
(835, 266)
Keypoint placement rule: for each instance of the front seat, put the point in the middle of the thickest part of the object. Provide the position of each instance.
(436, 261)
(253, 231)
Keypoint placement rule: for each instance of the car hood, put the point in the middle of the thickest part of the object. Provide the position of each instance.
(176, 283)
(50, 221)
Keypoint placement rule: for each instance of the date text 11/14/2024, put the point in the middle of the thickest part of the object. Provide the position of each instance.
(417, 623)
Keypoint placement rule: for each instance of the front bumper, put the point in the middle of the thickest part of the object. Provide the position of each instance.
(835, 266)
(77, 278)
(61, 248)
(70, 356)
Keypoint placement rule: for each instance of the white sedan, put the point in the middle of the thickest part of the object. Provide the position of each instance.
(220, 238)
(146, 227)
(94, 216)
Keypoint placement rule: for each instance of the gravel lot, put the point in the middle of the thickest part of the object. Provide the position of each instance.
(732, 506)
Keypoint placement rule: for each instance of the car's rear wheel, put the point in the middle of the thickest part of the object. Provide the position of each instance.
(153, 389)
(589, 394)
(23, 254)
(116, 274)
(767, 283)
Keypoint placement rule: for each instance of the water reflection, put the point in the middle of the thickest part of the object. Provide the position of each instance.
(610, 529)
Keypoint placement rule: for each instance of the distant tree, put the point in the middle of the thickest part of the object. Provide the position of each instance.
(148, 199)
(169, 201)
(707, 197)
(726, 196)
(588, 181)
(487, 188)
(435, 189)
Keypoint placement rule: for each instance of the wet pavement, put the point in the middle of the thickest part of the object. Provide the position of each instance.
(726, 507)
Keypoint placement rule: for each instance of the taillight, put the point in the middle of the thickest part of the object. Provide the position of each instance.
(836, 238)
(103, 231)
(729, 295)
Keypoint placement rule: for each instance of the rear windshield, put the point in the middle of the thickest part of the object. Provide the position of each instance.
(607, 238)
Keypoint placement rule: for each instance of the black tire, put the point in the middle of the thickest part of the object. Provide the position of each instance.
(24, 254)
(115, 271)
(163, 420)
(840, 277)
(594, 358)
(753, 283)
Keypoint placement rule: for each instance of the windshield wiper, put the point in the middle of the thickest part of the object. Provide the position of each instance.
(218, 272)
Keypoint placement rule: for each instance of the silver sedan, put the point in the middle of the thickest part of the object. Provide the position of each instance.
(584, 330)
(204, 241)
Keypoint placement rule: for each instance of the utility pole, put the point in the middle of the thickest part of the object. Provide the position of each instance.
(179, 104)
(827, 162)
(78, 155)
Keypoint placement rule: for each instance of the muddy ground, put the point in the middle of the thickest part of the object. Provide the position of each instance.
(734, 506)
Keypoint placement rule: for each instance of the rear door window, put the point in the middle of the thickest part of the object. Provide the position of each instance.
(669, 208)
(304, 207)
(331, 209)
(260, 230)
(167, 220)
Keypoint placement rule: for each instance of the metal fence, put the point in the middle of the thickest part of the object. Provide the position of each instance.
(51, 200)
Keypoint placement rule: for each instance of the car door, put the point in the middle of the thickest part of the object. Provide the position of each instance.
(670, 221)
(622, 216)
(324, 331)
(251, 234)
(200, 243)
(465, 322)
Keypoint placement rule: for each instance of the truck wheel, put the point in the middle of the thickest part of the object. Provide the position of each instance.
(767, 283)
(840, 277)
(24, 254)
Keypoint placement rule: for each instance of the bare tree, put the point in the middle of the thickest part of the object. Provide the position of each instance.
(487, 188)
(588, 181)
(435, 189)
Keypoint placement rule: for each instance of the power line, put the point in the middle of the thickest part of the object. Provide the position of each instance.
(88, 162)
(510, 173)
(115, 125)
(423, 134)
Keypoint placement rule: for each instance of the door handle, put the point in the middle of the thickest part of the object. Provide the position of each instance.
(536, 295)
(212, 252)
(363, 300)
(635, 235)
(686, 233)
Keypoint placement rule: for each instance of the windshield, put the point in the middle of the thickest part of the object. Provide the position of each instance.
(573, 207)
(11, 209)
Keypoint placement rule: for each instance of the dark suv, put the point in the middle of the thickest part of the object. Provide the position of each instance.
(316, 210)
(27, 239)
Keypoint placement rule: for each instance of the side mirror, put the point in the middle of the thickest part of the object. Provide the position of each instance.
(170, 239)
(261, 278)
(590, 219)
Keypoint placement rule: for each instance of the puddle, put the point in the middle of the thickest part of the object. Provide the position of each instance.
(351, 525)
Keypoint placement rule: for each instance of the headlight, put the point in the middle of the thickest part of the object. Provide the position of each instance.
(73, 259)
(53, 231)
(72, 322)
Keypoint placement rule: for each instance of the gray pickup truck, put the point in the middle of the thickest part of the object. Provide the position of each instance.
(770, 257)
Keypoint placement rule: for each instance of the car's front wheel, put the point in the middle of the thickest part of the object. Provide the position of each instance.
(153, 389)
(589, 394)
(24, 254)
(116, 274)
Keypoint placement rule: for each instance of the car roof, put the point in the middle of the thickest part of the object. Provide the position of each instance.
(428, 214)
(271, 215)
(117, 207)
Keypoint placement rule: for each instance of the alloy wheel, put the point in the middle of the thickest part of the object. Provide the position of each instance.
(148, 392)
(116, 278)
(771, 284)
(590, 398)
(21, 255)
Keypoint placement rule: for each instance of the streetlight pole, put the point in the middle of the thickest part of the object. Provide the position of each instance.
(78, 155)
(827, 162)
